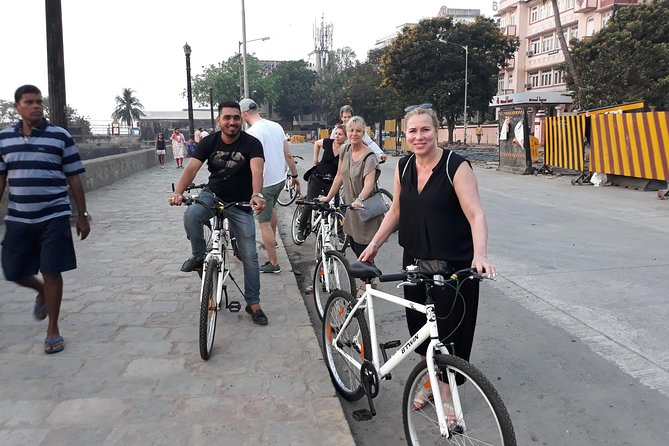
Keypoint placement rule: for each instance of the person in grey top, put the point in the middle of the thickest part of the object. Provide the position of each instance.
(345, 113)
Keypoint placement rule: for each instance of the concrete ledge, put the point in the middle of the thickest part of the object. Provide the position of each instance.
(106, 170)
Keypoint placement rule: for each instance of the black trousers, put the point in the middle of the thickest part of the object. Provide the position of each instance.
(315, 188)
(456, 314)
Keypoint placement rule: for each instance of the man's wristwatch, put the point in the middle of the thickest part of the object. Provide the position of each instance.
(293, 176)
(84, 214)
(360, 198)
(258, 194)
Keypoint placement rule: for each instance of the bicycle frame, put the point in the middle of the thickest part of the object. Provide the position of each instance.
(428, 331)
(220, 239)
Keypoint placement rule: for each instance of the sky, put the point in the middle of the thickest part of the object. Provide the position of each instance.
(138, 44)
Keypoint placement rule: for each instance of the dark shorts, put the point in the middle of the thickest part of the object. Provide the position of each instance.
(30, 248)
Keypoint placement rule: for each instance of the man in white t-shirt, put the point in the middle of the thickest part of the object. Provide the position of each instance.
(277, 155)
(204, 133)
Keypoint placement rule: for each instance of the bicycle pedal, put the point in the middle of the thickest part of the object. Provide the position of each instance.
(362, 415)
(234, 306)
(391, 344)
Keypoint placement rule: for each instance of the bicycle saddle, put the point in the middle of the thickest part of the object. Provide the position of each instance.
(364, 270)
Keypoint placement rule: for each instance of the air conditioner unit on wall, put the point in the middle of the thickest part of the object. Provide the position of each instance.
(528, 86)
(530, 53)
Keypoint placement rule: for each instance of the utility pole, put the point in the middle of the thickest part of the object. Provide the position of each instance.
(55, 63)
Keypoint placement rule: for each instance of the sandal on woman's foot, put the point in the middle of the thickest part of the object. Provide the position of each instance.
(423, 396)
(54, 345)
(39, 310)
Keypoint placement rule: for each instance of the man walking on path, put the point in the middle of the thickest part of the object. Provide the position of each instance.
(345, 113)
(277, 155)
(235, 161)
(38, 161)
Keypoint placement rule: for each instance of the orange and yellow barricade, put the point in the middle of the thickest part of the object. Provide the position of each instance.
(563, 146)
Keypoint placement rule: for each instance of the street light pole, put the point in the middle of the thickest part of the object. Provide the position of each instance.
(466, 48)
(191, 127)
(211, 107)
(246, 79)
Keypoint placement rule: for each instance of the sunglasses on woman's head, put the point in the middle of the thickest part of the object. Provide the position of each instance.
(425, 106)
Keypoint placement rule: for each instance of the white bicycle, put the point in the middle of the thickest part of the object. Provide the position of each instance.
(215, 271)
(332, 267)
(473, 414)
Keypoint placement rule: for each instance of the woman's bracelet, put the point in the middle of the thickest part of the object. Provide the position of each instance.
(375, 244)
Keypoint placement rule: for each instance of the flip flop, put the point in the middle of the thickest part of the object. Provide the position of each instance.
(54, 345)
(39, 310)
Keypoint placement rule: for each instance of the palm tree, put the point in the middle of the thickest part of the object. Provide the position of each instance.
(563, 43)
(128, 108)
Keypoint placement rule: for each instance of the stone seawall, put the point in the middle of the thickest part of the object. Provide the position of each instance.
(108, 169)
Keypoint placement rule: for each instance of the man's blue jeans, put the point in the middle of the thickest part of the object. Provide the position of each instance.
(242, 225)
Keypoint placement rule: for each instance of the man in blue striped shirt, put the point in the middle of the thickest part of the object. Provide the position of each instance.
(37, 163)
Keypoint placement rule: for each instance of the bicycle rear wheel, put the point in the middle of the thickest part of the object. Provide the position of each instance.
(288, 194)
(354, 341)
(208, 308)
(484, 418)
(331, 275)
(295, 224)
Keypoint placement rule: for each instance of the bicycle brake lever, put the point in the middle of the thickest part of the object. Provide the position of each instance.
(401, 284)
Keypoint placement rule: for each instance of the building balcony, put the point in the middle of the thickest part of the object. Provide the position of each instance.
(585, 5)
(603, 4)
(510, 31)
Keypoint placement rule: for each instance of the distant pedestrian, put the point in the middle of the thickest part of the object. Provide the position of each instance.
(38, 161)
(277, 155)
(479, 133)
(203, 134)
(160, 149)
(198, 135)
(191, 147)
(178, 147)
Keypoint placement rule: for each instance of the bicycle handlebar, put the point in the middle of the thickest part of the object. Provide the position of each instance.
(420, 277)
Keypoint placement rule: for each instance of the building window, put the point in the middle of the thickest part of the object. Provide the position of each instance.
(542, 11)
(561, 5)
(534, 14)
(606, 17)
(533, 79)
(510, 84)
(590, 26)
(557, 77)
(570, 4)
(547, 42)
(500, 84)
(512, 18)
(535, 46)
(546, 78)
(573, 33)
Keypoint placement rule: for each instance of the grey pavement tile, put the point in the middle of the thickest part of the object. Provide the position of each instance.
(70, 436)
(23, 437)
(155, 367)
(25, 413)
(87, 411)
(158, 434)
(130, 334)
(128, 387)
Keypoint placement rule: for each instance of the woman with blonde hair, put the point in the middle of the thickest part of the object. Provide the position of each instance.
(438, 210)
(358, 171)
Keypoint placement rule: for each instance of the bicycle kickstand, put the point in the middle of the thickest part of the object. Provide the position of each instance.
(370, 382)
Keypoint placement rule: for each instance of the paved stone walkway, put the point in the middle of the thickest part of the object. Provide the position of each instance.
(131, 372)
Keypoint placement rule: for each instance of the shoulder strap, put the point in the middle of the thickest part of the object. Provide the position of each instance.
(448, 160)
(406, 165)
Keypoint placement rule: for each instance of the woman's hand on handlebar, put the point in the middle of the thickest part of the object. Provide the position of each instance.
(323, 199)
(484, 267)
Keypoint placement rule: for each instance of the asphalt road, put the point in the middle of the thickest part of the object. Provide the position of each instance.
(574, 332)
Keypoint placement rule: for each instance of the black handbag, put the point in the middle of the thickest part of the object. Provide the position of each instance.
(308, 173)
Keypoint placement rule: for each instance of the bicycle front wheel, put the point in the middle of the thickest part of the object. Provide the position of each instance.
(208, 308)
(288, 194)
(295, 224)
(483, 418)
(331, 275)
(353, 341)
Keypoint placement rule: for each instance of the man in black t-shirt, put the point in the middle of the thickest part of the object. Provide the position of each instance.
(235, 163)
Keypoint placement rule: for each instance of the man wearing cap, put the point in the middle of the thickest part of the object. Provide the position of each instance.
(277, 155)
(235, 162)
(345, 113)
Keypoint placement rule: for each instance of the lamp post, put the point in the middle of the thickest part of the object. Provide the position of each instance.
(191, 127)
(466, 48)
(211, 107)
(246, 79)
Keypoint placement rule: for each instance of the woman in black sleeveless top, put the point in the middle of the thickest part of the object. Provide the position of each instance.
(323, 172)
(441, 218)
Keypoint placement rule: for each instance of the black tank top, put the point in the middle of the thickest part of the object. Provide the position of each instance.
(329, 162)
(432, 223)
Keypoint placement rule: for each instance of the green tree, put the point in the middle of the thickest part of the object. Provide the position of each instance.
(293, 81)
(226, 81)
(8, 113)
(634, 47)
(128, 107)
(420, 68)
